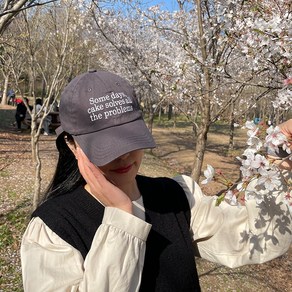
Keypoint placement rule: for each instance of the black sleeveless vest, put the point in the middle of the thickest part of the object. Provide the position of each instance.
(169, 261)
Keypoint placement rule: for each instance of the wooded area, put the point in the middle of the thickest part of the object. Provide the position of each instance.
(209, 60)
(172, 156)
(201, 70)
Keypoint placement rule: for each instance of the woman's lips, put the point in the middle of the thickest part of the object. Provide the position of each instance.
(123, 169)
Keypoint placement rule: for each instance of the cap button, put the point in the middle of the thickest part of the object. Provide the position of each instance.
(91, 70)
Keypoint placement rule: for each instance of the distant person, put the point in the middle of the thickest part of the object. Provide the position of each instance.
(11, 97)
(38, 105)
(20, 114)
(102, 227)
(17, 100)
(47, 120)
(257, 120)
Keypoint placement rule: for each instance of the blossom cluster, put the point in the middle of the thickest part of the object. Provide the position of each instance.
(258, 166)
(263, 33)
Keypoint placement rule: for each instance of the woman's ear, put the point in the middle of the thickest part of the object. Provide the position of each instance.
(71, 144)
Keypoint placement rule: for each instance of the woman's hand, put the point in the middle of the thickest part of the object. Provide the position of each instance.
(286, 129)
(106, 192)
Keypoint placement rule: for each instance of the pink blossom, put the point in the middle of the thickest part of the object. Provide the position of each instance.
(288, 201)
(288, 196)
(260, 161)
(287, 81)
(275, 138)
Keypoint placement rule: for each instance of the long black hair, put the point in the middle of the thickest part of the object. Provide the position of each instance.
(67, 176)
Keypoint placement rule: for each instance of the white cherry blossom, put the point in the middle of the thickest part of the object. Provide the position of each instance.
(269, 178)
(209, 174)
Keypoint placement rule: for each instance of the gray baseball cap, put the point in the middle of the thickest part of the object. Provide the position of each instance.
(100, 110)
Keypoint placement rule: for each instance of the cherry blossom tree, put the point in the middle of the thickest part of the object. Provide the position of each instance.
(262, 32)
(134, 49)
(213, 71)
(207, 59)
(199, 32)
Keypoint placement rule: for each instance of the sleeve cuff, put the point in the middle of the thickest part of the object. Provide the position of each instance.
(126, 222)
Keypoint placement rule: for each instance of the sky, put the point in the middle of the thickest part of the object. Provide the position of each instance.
(170, 5)
(165, 4)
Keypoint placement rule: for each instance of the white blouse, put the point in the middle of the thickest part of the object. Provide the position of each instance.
(228, 235)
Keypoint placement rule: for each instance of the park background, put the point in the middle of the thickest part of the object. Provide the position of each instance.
(172, 156)
(200, 69)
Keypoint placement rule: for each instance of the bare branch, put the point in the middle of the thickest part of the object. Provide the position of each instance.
(12, 8)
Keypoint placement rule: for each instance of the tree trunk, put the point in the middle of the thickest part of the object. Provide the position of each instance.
(201, 143)
(10, 13)
(37, 163)
(151, 119)
(231, 129)
(169, 114)
(159, 114)
(174, 119)
(5, 89)
(203, 128)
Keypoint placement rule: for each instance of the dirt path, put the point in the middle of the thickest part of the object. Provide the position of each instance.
(176, 148)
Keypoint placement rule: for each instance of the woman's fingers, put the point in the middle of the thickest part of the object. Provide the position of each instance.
(91, 174)
(286, 128)
(106, 192)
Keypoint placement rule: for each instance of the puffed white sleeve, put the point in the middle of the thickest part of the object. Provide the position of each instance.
(113, 263)
(236, 236)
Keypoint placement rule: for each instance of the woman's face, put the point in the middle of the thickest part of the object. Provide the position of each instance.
(124, 169)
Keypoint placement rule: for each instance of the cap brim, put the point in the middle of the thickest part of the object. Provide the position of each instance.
(106, 145)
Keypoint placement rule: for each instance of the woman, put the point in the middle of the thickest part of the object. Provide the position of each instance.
(102, 227)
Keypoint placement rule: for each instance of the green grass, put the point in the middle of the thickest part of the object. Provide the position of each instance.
(6, 118)
(4, 173)
(181, 121)
(12, 223)
(12, 194)
(12, 226)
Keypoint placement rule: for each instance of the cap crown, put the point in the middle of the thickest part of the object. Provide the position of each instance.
(97, 100)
